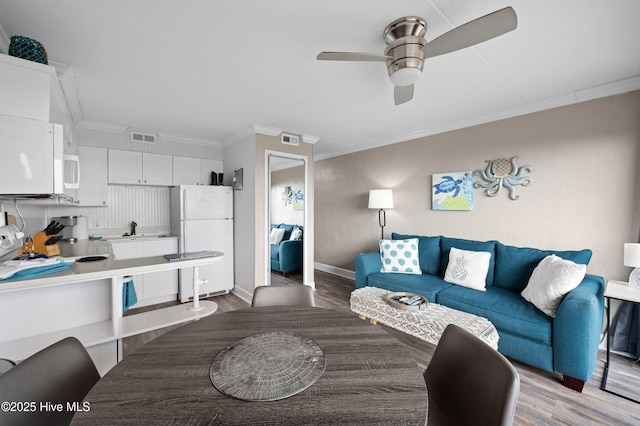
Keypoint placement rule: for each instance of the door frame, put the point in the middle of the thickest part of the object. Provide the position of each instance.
(267, 212)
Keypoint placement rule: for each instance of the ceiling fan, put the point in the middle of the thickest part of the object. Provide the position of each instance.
(407, 48)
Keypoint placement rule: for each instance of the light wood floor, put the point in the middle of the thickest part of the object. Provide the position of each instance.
(543, 399)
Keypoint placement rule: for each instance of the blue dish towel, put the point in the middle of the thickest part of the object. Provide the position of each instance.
(42, 270)
(129, 297)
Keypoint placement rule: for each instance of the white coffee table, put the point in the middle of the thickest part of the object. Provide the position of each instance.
(426, 324)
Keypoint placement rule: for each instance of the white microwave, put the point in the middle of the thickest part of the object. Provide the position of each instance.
(33, 161)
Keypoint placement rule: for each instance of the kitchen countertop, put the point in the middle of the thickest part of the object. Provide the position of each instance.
(110, 268)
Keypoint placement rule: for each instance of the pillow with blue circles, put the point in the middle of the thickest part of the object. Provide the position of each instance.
(400, 256)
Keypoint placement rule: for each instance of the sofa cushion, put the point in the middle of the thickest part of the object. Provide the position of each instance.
(550, 281)
(428, 252)
(514, 265)
(276, 236)
(468, 268)
(287, 230)
(400, 256)
(296, 234)
(489, 246)
(507, 310)
(426, 285)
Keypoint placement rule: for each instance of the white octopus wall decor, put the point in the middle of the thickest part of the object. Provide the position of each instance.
(503, 172)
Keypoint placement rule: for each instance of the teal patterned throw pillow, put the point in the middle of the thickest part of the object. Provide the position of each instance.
(400, 256)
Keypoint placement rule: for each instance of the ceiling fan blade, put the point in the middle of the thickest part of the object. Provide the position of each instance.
(402, 94)
(352, 56)
(473, 32)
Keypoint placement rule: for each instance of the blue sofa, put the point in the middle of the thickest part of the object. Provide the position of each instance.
(566, 344)
(286, 257)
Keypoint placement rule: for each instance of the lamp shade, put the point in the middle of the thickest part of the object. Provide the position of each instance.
(381, 199)
(632, 254)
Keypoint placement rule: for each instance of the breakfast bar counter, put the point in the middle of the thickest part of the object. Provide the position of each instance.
(86, 301)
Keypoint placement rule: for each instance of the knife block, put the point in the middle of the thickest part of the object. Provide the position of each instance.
(39, 246)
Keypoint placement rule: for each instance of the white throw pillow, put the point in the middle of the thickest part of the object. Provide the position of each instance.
(400, 256)
(550, 281)
(296, 234)
(276, 235)
(468, 268)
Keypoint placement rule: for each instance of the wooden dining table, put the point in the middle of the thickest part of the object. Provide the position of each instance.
(369, 377)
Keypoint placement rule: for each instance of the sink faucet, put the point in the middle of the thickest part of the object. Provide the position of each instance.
(133, 228)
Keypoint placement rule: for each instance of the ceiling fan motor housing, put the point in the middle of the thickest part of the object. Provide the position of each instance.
(405, 42)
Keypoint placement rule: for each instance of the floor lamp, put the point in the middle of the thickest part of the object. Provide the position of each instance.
(381, 199)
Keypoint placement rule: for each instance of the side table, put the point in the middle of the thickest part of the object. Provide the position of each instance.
(618, 290)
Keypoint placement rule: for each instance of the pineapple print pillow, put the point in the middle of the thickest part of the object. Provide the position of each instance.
(400, 256)
(468, 268)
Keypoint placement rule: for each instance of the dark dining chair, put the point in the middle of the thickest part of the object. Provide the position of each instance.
(270, 295)
(469, 382)
(62, 373)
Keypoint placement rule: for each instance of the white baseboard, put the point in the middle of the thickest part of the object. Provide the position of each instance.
(242, 294)
(345, 273)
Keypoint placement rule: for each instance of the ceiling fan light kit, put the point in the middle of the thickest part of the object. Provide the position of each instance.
(407, 48)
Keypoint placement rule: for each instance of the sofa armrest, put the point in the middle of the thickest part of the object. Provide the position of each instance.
(577, 329)
(366, 263)
(290, 256)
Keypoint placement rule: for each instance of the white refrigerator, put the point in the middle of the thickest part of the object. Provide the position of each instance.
(202, 218)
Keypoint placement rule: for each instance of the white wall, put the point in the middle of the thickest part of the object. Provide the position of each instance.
(242, 154)
(585, 161)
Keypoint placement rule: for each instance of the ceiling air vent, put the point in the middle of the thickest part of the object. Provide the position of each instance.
(290, 139)
(142, 137)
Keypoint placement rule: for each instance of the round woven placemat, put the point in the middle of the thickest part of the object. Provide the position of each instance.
(267, 366)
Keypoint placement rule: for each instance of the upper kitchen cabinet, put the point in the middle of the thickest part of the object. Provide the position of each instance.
(157, 169)
(94, 174)
(139, 168)
(26, 88)
(194, 171)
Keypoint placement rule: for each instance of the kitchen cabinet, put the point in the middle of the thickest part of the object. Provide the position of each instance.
(139, 168)
(26, 88)
(93, 190)
(153, 287)
(194, 171)
(157, 169)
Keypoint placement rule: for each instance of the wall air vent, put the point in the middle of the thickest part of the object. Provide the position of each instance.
(290, 139)
(142, 137)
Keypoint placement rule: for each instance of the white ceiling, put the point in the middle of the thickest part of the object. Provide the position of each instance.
(211, 69)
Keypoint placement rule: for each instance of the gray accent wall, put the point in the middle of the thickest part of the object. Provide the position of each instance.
(585, 192)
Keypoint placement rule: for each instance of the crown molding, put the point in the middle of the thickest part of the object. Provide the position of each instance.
(309, 139)
(579, 96)
(174, 137)
(250, 131)
(266, 130)
(105, 127)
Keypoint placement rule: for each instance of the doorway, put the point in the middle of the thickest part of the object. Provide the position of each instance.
(286, 187)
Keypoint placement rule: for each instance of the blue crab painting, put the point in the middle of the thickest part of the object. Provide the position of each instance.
(503, 172)
(448, 184)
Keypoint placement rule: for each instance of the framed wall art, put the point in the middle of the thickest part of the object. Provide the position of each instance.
(452, 191)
